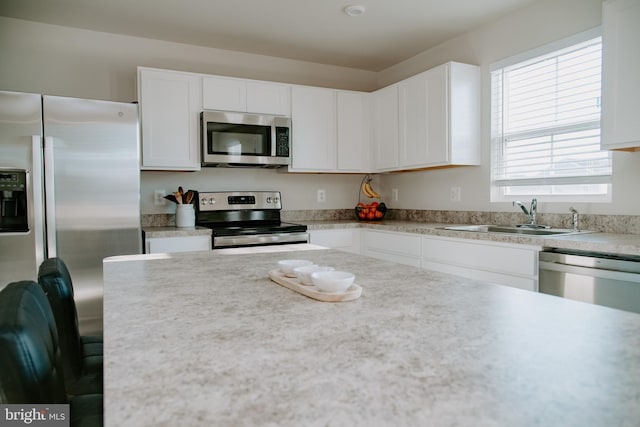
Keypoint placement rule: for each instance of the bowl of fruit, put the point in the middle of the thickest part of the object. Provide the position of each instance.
(372, 211)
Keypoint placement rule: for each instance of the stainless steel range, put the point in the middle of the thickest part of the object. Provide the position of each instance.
(246, 218)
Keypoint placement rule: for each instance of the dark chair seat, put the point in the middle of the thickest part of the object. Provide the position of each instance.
(81, 355)
(30, 359)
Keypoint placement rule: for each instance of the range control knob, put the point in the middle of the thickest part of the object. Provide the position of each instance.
(203, 202)
(212, 201)
(275, 200)
(268, 199)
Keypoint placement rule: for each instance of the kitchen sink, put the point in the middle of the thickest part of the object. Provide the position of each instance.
(513, 230)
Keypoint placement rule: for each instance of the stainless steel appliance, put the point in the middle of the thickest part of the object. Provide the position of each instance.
(603, 279)
(246, 218)
(13, 200)
(70, 187)
(242, 140)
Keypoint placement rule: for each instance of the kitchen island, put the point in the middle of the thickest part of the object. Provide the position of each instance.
(205, 338)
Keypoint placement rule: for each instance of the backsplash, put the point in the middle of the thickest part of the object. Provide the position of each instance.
(619, 224)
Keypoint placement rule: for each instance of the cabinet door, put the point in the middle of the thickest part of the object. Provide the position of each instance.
(386, 128)
(505, 264)
(423, 139)
(170, 103)
(268, 98)
(437, 119)
(620, 82)
(313, 129)
(403, 248)
(219, 93)
(353, 153)
(177, 244)
(347, 240)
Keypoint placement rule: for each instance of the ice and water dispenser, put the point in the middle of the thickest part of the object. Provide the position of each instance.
(13, 201)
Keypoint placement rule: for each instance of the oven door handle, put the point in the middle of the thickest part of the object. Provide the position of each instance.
(259, 239)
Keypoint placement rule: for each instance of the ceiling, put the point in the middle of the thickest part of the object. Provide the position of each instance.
(389, 32)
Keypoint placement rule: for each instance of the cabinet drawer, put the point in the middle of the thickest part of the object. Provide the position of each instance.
(529, 284)
(177, 244)
(402, 248)
(398, 243)
(347, 240)
(488, 256)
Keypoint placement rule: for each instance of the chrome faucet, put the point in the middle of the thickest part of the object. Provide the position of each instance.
(531, 213)
(574, 219)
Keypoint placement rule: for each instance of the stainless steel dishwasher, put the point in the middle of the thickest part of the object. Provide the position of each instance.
(603, 279)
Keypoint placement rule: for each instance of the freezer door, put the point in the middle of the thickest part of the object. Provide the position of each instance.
(21, 148)
(92, 190)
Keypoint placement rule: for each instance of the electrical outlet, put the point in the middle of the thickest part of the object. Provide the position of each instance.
(394, 194)
(322, 196)
(158, 198)
(455, 194)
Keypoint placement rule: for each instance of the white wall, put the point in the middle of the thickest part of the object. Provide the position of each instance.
(542, 22)
(299, 191)
(63, 61)
(56, 60)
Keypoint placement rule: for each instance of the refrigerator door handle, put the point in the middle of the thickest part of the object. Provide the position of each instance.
(49, 184)
(38, 208)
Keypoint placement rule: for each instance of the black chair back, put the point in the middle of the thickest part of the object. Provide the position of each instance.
(30, 362)
(54, 277)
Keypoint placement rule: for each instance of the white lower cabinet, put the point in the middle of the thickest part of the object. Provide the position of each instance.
(154, 245)
(403, 248)
(512, 265)
(347, 240)
(508, 264)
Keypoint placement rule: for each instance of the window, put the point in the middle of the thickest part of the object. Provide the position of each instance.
(546, 124)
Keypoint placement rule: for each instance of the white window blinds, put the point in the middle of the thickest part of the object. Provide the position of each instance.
(546, 122)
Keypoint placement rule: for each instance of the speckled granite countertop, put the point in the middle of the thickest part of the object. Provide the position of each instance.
(628, 244)
(205, 338)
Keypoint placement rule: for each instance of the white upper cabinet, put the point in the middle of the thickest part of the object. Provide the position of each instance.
(170, 104)
(247, 96)
(429, 120)
(328, 130)
(385, 128)
(219, 93)
(353, 132)
(423, 116)
(620, 75)
(313, 129)
(269, 98)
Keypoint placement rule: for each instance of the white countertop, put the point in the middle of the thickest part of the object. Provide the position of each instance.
(205, 338)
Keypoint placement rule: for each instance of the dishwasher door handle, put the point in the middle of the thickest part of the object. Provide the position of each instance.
(593, 272)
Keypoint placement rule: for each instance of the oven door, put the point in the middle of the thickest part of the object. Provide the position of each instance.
(259, 239)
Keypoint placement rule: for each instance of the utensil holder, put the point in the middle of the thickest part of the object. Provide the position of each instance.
(185, 215)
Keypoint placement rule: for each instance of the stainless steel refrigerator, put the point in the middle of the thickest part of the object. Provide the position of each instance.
(69, 187)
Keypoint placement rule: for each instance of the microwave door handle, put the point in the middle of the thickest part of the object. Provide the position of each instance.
(274, 142)
(49, 183)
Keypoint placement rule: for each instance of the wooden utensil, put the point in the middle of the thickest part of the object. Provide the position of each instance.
(189, 197)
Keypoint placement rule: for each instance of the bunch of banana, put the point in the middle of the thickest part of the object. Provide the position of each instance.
(366, 189)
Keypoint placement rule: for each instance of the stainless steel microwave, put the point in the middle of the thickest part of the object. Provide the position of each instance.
(249, 140)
